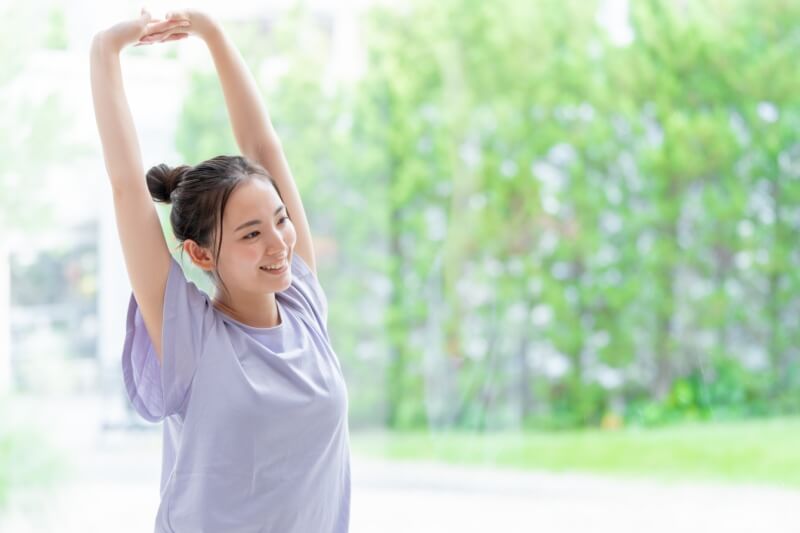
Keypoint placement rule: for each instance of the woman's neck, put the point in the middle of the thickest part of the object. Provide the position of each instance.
(260, 313)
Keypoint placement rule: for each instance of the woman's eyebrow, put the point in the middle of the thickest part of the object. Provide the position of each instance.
(256, 221)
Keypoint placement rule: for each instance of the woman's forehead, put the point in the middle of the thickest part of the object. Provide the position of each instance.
(255, 197)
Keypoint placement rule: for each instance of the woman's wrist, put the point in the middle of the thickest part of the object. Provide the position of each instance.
(103, 44)
(205, 26)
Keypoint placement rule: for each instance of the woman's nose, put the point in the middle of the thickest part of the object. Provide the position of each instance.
(275, 244)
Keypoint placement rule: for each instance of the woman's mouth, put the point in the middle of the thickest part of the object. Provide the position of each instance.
(276, 268)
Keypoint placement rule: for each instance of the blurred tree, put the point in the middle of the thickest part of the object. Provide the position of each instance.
(32, 137)
(551, 226)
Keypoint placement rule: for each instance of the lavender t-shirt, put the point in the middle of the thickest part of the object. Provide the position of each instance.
(255, 436)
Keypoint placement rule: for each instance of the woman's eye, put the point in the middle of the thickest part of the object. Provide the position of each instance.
(248, 236)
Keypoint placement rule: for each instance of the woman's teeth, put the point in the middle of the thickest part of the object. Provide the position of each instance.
(277, 266)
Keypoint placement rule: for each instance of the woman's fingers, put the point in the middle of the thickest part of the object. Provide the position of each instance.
(176, 25)
(157, 36)
(153, 37)
(163, 37)
(164, 26)
(175, 37)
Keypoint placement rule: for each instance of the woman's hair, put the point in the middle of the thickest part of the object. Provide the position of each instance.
(199, 194)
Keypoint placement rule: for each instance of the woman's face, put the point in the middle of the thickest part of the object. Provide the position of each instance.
(256, 233)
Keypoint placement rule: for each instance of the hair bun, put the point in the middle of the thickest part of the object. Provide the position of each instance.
(162, 180)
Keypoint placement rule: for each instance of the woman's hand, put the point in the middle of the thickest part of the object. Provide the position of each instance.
(128, 32)
(179, 24)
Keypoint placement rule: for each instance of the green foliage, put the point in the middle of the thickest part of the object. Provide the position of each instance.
(204, 131)
(523, 223)
(31, 128)
(722, 391)
(56, 37)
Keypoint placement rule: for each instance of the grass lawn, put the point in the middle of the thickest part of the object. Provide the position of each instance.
(756, 451)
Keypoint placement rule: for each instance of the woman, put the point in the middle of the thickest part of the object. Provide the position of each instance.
(251, 394)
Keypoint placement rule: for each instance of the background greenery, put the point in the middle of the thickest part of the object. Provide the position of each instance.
(33, 134)
(524, 222)
(751, 451)
(536, 224)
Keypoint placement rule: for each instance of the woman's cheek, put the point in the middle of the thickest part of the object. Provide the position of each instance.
(252, 254)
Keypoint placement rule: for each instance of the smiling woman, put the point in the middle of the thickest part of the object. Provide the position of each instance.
(230, 189)
(272, 453)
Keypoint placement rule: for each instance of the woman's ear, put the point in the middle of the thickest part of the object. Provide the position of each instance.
(200, 256)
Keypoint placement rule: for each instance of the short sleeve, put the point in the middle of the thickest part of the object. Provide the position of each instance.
(155, 390)
(310, 296)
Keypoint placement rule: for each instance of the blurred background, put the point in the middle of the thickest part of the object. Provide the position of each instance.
(558, 239)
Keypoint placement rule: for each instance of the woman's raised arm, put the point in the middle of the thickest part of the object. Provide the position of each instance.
(254, 133)
(252, 127)
(144, 248)
(121, 151)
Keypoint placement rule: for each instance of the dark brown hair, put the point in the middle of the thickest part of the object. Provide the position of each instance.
(199, 194)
